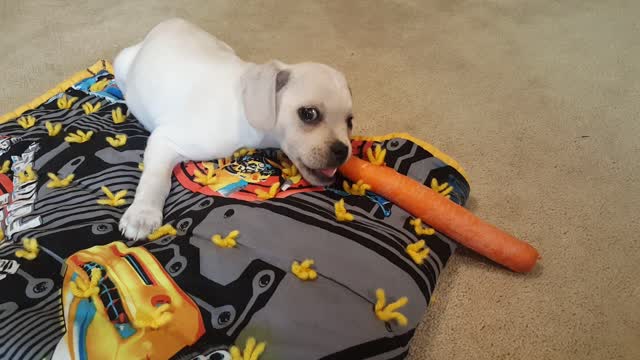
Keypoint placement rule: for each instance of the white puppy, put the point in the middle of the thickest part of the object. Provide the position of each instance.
(200, 102)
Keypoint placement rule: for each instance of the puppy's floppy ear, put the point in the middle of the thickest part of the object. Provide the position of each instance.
(259, 87)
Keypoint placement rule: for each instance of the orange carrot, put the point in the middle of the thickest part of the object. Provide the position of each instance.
(443, 215)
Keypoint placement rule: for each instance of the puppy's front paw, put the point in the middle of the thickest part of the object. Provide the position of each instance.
(140, 220)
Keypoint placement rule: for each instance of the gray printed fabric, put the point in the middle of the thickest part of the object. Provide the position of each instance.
(182, 296)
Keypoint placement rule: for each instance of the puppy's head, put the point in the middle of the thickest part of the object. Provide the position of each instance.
(307, 108)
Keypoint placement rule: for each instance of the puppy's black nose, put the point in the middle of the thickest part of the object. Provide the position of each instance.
(340, 151)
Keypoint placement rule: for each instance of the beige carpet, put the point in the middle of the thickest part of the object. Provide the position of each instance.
(539, 100)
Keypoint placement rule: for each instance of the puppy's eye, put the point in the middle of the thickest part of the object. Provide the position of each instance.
(309, 115)
(350, 122)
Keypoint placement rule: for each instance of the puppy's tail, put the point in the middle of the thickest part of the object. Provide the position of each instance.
(121, 66)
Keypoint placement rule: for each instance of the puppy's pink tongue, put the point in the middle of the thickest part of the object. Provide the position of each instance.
(329, 172)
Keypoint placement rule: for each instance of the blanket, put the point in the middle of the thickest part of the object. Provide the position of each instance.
(252, 261)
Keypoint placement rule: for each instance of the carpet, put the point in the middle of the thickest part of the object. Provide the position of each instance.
(539, 100)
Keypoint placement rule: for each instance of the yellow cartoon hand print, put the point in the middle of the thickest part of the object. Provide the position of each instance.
(252, 350)
(228, 241)
(27, 121)
(388, 312)
(376, 157)
(82, 288)
(205, 179)
(243, 152)
(53, 129)
(27, 175)
(56, 182)
(30, 249)
(341, 212)
(359, 188)
(65, 102)
(164, 230)
(117, 116)
(303, 271)
(273, 190)
(443, 189)
(155, 320)
(99, 85)
(419, 229)
(290, 172)
(117, 141)
(6, 166)
(113, 200)
(78, 137)
(418, 252)
(90, 109)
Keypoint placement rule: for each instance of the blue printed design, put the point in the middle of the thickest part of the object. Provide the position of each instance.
(84, 315)
(111, 92)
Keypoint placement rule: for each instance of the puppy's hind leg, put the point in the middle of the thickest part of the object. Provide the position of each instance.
(122, 64)
(145, 213)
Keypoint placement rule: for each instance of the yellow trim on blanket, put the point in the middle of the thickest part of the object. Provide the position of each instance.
(105, 65)
(61, 87)
(423, 144)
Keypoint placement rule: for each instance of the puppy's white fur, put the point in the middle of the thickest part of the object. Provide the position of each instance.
(200, 102)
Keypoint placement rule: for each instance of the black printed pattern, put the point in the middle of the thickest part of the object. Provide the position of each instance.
(247, 291)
